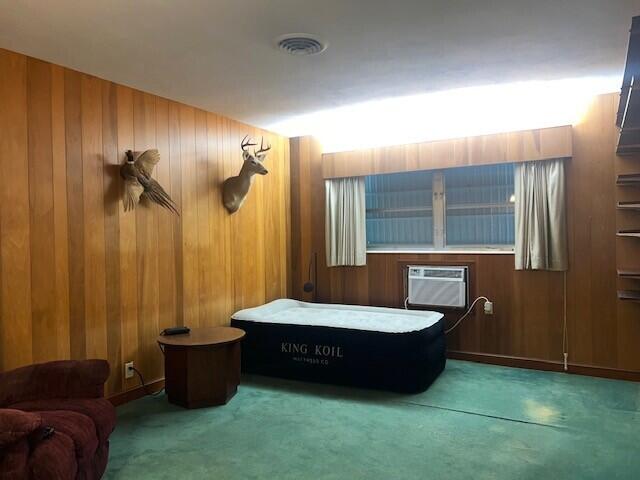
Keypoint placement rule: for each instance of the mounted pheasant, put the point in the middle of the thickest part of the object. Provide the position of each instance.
(136, 173)
(235, 189)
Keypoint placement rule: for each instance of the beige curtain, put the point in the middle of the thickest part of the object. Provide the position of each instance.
(540, 213)
(345, 227)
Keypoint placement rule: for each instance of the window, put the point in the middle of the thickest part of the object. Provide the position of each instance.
(399, 209)
(479, 206)
(453, 208)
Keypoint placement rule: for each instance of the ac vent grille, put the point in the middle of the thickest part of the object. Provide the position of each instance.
(300, 44)
(443, 273)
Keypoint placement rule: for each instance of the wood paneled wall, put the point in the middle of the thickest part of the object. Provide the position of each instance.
(603, 332)
(597, 320)
(81, 278)
(521, 146)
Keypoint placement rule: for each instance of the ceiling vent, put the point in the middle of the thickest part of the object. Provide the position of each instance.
(300, 44)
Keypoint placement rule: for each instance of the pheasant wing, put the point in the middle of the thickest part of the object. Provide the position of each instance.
(132, 192)
(147, 160)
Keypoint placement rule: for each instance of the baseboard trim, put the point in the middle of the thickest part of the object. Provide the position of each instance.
(546, 365)
(489, 358)
(136, 393)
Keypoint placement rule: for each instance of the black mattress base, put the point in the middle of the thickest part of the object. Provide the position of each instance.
(401, 362)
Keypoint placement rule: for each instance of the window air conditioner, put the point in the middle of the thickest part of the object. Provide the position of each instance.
(437, 286)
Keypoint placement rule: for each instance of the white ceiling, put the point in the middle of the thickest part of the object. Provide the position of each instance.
(219, 55)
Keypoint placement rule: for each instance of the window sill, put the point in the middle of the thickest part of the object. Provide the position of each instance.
(468, 251)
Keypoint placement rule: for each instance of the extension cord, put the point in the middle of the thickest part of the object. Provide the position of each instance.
(487, 301)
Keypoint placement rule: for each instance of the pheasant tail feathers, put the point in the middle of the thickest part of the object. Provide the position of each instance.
(154, 192)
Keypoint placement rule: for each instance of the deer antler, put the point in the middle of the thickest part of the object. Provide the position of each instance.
(246, 143)
(262, 149)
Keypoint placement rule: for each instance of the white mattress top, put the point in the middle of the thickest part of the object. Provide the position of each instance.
(377, 319)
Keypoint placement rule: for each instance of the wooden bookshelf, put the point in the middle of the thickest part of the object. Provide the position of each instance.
(629, 295)
(628, 120)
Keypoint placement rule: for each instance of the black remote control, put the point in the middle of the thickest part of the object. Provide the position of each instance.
(175, 331)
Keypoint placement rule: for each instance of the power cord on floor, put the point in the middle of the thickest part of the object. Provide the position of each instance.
(145, 386)
(467, 313)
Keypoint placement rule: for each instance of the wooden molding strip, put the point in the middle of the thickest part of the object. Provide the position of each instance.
(522, 146)
(546, 365)
(504, 360)
(136, 393)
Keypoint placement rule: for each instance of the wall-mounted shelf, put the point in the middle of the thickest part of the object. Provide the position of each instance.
(628, 118)
(632, 274)
(628, 180)
(628, 233)
(629, 295)
(635, 205)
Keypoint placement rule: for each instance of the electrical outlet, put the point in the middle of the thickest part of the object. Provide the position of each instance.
(128, 370)
(488, 308)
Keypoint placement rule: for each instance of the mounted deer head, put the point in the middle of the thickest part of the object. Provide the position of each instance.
(235, 189)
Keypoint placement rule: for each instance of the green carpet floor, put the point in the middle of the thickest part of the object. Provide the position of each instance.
(476, 422)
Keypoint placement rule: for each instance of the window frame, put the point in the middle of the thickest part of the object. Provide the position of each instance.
(439, 214)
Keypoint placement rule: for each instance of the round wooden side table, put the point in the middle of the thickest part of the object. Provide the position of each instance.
(202, 367)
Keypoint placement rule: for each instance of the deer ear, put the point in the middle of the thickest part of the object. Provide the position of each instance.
(246, 156)
(261, 157)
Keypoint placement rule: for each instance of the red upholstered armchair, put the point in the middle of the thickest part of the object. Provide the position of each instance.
(54, 421)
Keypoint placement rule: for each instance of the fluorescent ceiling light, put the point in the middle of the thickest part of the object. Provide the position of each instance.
(450, 114)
